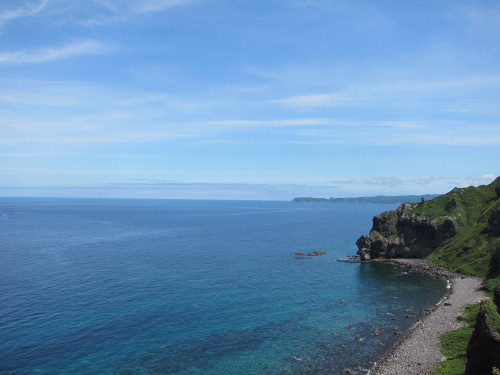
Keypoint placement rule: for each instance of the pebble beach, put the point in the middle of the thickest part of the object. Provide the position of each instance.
(418, 353)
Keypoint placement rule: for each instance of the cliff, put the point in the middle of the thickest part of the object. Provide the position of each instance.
(459, 230)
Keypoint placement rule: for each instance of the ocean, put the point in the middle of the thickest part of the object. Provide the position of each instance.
(124, 286)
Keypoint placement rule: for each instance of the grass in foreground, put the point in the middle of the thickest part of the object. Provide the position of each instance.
(454, 345)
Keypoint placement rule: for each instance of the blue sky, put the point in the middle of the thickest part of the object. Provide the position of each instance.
(234, 99)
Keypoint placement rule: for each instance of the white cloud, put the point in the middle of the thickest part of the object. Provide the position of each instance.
(489, 176)
(380, 133)
(88, 13)
(372, 180)
(443, 183)
(21, 11)
(444, 94)
(487, 138)
(312, 101)
(124, 8)
(404, 124)
(94, 113)
(86, 47)
(271, 123)
(480, 16)
(147, 6)
(170, 189)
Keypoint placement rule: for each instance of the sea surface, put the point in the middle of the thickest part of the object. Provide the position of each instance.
(112, 286)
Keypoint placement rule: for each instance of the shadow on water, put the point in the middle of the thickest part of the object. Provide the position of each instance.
(395, 296)
(398, 297)
(199, 355)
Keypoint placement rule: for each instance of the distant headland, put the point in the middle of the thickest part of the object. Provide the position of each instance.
(387, 199)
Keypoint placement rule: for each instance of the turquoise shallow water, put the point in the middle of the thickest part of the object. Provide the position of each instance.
(194, 287)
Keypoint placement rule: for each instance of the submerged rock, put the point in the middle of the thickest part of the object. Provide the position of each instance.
(316, 253)
(299, 255)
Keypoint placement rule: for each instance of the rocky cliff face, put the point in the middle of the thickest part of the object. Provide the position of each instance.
(483, 351)
(414, 230)
(404, 234)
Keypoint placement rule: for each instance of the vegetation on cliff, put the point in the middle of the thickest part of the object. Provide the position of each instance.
(475, 249)
(459, 230)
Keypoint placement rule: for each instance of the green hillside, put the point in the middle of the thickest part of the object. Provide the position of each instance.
(475, 249)
(459, 230)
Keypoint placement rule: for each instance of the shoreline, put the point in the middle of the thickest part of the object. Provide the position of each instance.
(408, 355)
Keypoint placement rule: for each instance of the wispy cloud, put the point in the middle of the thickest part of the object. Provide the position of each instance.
(123, 10)
(403, 124)
(396, 181)
(315, 100)
(271, 123)
(88, 13)
(485, 139)
(403, 132)
(480, 16)
(372, 180)
(171, 189)
(148, 6)
(85, 113)
(21, 11)
(86, 47)
(398, 94)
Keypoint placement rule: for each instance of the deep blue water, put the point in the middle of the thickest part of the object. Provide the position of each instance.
(91, 286)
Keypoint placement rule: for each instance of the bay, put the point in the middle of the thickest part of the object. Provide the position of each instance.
(112, 286)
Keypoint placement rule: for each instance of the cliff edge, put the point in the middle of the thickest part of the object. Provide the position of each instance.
(459, 230)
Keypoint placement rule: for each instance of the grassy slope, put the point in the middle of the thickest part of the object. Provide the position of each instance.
(469, 252)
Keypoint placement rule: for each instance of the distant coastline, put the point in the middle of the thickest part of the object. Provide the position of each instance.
(387, 199)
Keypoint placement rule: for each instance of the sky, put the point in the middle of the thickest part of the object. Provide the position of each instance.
(238, 99)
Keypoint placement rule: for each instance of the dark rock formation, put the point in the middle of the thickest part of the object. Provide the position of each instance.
(494, 223)
(483, 351)
(316, 253)
(386, 223)
(308, 255)
(451, 204)
(496, 297)
(402, 234)
(414, 230)
(363, 243)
